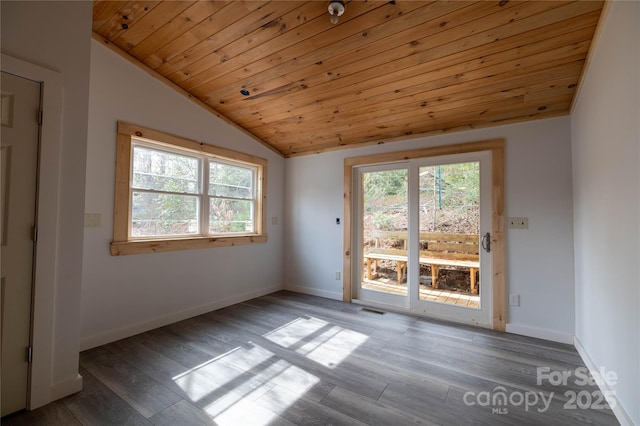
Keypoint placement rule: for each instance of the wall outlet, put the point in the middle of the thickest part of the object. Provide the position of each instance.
(337, 276)
(514, 299)
(274, 220)
(518, 222)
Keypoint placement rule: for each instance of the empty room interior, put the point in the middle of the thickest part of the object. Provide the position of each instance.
(320, 212)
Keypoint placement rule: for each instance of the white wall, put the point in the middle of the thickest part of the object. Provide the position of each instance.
(538, 186)
(605, 140)
(124, 295)
(56, 35)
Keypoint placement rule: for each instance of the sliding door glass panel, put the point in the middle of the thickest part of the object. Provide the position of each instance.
(384, 224)
(449, 217)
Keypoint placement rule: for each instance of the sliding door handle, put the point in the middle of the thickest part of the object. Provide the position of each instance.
(486, 242)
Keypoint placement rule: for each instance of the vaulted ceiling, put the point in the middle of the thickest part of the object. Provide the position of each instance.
(388, 70)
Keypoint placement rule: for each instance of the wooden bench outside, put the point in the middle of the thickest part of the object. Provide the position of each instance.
(441, 249)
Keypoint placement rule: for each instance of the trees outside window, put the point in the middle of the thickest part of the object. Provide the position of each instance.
(184, 194)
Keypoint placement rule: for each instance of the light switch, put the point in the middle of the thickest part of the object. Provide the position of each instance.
(92, 220)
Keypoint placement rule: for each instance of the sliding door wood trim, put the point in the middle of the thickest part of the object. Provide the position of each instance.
(497, 238)
(347, 220)
(496, 147)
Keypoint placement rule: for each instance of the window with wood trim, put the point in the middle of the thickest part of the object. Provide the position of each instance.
(174, 194)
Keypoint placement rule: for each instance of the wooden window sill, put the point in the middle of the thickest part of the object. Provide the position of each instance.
(121, 248)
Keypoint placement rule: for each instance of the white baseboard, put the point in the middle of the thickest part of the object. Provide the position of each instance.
(618, 410)
(65, 388)
(109, 336)
(315, 292)
(540, 333)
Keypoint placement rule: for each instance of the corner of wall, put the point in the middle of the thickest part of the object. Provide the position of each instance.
(612, 398)
(65, 388)
(540, 333)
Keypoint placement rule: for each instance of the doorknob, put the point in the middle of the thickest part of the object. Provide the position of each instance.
(486, 242)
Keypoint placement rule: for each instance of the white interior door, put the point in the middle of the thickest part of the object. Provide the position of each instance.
(20, 135)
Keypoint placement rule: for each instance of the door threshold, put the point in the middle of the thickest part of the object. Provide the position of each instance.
(416, 313)
(381, 306)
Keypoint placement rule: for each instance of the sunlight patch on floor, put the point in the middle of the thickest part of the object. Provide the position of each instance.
(232, 387)
(196, 382)
(242, 412)
(295, 331)
(318, 340)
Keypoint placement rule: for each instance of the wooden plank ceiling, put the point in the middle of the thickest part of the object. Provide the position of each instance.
(389, 70)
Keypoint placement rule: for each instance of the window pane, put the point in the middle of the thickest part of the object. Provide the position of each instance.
(164, 171)
(450, 198)
(163, 214)
(230, 216)
(230, 181)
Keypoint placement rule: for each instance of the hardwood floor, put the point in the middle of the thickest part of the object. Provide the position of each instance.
(288, 359)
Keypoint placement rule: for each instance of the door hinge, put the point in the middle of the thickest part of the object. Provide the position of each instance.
(30, 354)
(40, 117)
(35, 234)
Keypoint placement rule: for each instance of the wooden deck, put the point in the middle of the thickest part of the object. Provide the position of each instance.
(426, 293)
(450, 297)
(292, 359)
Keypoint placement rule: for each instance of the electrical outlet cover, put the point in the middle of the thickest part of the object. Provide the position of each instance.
(518, 222)
(514, 299)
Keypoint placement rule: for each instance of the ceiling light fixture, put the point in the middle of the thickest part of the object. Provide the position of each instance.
(336, 8)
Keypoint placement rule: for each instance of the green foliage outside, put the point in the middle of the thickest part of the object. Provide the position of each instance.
(449, 199)
(449, 202)
(161, 213)
(384, 184)
(176, 210)
(230, 215)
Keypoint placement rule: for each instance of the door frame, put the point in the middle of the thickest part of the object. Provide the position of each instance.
(496, 147)
(40, 387)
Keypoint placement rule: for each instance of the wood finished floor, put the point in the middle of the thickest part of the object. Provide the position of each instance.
(288, 359)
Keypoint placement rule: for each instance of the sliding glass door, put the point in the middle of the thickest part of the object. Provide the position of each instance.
(420, 227)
